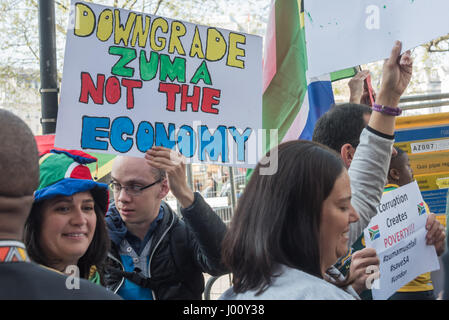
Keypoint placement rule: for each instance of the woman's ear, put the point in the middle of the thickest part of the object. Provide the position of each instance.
(347, 154)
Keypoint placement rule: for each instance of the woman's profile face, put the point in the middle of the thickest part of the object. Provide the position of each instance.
(68, 227)
(336, 215)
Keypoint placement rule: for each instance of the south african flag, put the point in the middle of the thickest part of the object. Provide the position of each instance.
(421, 208)
(374, 232)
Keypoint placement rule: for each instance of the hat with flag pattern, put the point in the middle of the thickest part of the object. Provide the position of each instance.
(64, 173)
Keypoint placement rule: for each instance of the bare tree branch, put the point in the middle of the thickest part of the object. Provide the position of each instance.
(35, 3)
(157, 6)
(61, 5)
(28, 44)
(132, 4)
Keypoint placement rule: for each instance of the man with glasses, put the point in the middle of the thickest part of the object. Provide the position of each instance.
(155, 254)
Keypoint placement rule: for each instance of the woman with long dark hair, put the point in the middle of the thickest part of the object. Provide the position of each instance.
(290, 227)
(66, 230)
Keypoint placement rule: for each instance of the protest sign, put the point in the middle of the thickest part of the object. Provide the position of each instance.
(342, 34)
(398, 234)
(133, 80)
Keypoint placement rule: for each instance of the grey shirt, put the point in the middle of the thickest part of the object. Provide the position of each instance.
(294, 284)
(368, 176)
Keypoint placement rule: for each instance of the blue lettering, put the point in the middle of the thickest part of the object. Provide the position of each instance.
(119, 127)
(90, 132)
(144, 136)
(215, 144)
(186, 141)
(98, 132)
(240, 140)
(164, 138)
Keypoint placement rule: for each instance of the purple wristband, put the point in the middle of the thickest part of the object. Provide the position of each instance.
(387, 110)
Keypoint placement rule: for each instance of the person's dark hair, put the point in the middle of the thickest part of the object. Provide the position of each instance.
(340, 125)
(278, 217)
(96, 252)
(19, 158)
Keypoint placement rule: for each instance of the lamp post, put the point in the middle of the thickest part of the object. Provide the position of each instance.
(48, 70)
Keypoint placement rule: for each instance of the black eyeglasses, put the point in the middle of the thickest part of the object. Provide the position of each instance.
(132, 190)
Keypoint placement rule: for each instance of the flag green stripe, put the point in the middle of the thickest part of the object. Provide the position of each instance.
(343, 74)
(283, 98)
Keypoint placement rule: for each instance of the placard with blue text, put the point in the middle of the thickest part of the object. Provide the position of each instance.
(134, 80)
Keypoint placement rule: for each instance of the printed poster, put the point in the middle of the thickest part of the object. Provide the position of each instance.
(398, 234)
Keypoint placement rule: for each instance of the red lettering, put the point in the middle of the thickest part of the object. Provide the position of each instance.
(210, 97)
(171, 90)
(194, 100)
(130, 85)
(88, 88)
(113, 90)
(209, 100)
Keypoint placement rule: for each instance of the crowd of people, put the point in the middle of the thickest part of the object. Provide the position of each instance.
(295, 234)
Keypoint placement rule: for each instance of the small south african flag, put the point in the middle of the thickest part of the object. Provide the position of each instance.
(374, 232)
(421, 208)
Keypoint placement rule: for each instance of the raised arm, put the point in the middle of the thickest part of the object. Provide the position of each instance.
(206, 228)
(368, 170)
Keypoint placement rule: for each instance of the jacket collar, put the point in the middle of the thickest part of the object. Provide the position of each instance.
(13, 251)
(117, 229)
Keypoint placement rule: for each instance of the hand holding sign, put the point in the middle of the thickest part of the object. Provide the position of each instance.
(356, 86)
(436, 235)
(396, 75)
(362, 260)
(174, 165)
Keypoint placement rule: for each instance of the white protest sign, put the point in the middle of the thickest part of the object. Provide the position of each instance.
(398, 234)
(133, 80)
(343, 34)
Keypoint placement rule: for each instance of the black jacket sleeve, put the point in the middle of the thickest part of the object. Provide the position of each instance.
(206, 232)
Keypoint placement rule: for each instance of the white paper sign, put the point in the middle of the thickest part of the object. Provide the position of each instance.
(398, 234)
(133, 80)
(343, 34)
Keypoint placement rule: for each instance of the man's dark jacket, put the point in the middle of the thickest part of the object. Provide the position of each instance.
(181, 250)
(29, 281)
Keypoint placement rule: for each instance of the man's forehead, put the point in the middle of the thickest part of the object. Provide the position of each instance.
(130, 167)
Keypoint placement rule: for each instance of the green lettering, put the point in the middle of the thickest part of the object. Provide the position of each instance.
(148, 69)
(173, 70)
(126, 56)
(202, 73)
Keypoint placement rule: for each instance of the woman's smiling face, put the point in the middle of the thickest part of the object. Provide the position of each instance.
(68, 227)
(336, 215)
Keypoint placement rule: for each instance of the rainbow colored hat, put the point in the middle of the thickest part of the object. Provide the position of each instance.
(64, 173)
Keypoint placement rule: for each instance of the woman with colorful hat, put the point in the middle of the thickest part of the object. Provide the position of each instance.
(66, 225)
